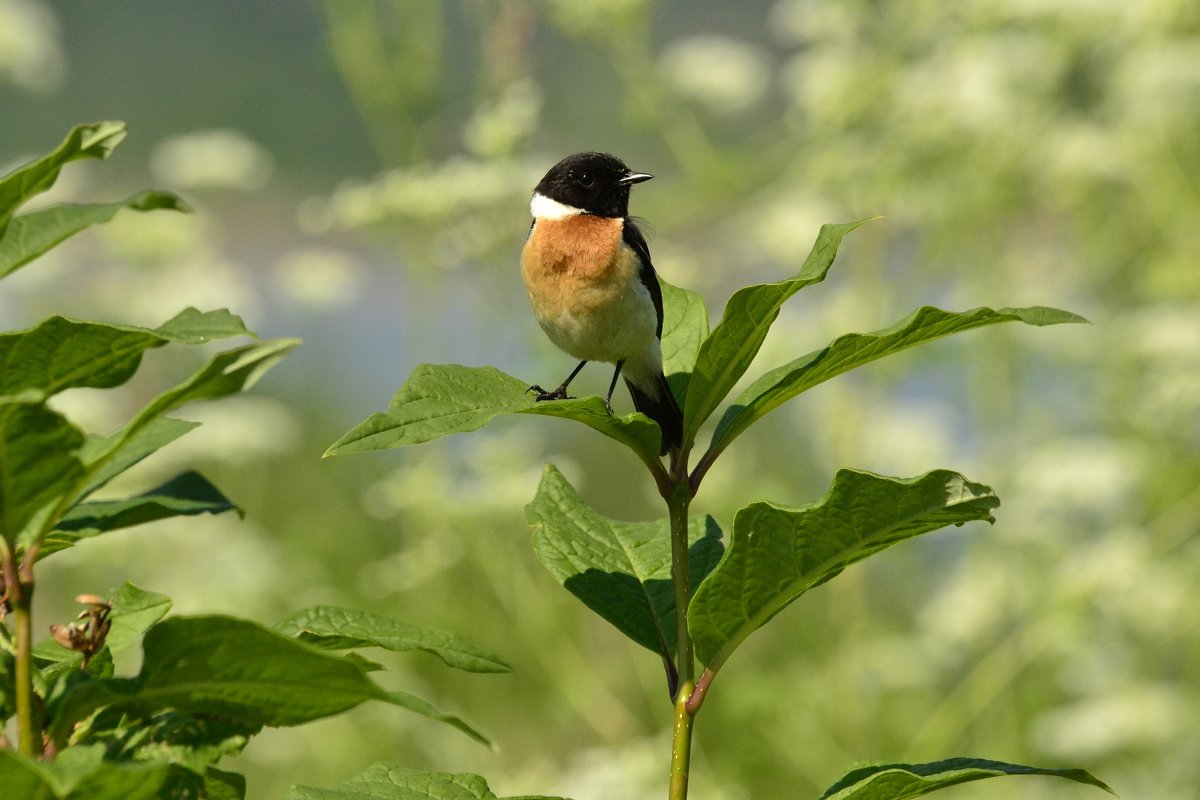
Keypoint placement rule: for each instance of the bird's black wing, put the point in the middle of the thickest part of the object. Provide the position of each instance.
(633, 237)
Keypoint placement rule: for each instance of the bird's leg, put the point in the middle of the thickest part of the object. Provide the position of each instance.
(560, 393)
(613, 385)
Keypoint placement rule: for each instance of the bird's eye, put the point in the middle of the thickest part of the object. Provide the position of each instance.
(585, 179)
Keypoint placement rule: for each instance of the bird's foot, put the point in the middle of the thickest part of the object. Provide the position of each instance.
(540, 394)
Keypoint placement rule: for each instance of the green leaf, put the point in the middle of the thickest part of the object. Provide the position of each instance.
(426, 709)
(730, 348)
(685, 326)
(222, 785)
(900, 781)
(148, 439)
(62, 353)
(334, 628)
(225, 667)
(37, 462)
(8, 677)
(79, 773)
(779, 553)
(382, 781)
(620, 570)
(134, 611)
(225, 373)
(441, 399)
(92, 140)
(853, 350)
(193, 742)
(30, 235)
(188, 494)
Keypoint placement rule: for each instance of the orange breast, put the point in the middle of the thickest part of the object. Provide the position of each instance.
(578, 247)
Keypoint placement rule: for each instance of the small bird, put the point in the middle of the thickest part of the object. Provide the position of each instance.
(592, 285)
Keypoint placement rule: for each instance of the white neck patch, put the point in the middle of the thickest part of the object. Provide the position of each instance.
(542, 207)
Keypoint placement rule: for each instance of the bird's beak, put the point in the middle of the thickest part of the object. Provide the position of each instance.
(634, 177)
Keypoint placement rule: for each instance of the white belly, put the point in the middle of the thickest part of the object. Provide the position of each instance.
(605, 324)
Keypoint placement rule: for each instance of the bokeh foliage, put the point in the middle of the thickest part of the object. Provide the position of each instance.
(1022, 153)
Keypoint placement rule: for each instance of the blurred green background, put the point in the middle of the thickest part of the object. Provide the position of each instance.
(361, 172)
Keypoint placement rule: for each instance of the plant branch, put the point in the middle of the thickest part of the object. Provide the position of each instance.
(19, 585)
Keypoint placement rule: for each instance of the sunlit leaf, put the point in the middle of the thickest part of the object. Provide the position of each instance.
(384, 781)
(336, 628)
(620, 570)
(30, 235)
(900, 781)
(778, 553)
(91, 140)
(730, 348)
(62, 353)
(853, 350)
(685, 325)
(441, 399)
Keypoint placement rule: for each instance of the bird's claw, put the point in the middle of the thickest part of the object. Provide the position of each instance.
(541, 395)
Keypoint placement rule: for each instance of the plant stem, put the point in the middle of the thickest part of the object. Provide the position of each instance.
(681, 740)
(681, 580)
(681, 745)
(20, 595)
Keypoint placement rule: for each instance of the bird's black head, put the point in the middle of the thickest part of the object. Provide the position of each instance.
(595, 183)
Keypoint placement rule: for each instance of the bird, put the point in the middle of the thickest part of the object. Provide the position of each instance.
(592, 285)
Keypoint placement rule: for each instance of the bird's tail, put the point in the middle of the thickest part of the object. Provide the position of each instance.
(654, 399)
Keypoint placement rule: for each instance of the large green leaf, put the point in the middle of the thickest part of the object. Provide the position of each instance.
(730, 348)
(901, 781)
(188, 494)
(335, 628)
(620, 570)
(778, 553)
(91, 140)
(441, 399)
(382, 781)
(37, 462)
(30, 235)
(78, 773)
(855, 349)
(225, 667)
(62, 353)
(685, 326)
